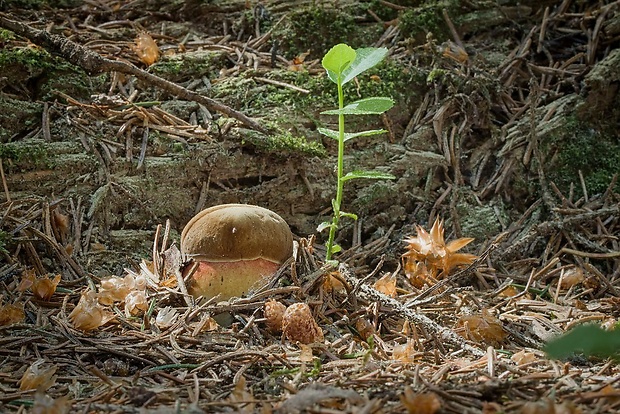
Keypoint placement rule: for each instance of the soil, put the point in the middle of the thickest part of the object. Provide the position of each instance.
(504, 126)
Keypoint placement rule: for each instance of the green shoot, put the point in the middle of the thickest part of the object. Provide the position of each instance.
(343, 64)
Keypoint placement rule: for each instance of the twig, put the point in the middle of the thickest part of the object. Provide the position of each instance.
(283, 84)
(370, 294)
(4, 183)
(94, 63)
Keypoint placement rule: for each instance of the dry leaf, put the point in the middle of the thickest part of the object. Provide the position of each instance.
(61, 224)
(387, 285)
(455, 52)
(38, 377)
(572, 277)
(28, 279)
(135, 301)
(274, 312)
(89, 314)
(297, 64)
(45, 288)
(166, 317)
(114, 289)
(432, 250)
(424, 403)
(406, 353)
(484, 328)
(10, 314)
(44, 404)
(146, 49)
(298, 324)
(523, 357)
(332, 283)
(364, 328)
(241, 398)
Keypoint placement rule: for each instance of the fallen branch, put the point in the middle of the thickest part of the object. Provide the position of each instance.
(94, 63)
(369, 294)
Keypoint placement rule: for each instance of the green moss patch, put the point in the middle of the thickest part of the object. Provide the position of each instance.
(582, 147)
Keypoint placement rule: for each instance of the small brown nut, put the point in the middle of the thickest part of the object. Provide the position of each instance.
(274, 313)
(298, 324)
(236, 246)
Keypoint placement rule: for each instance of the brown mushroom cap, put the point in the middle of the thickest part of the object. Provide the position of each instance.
(234, 232)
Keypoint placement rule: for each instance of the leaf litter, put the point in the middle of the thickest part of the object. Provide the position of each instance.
(467, 338)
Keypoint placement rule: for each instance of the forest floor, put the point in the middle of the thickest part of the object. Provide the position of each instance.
(505, 128)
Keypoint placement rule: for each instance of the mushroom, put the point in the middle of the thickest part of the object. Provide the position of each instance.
(236, 246)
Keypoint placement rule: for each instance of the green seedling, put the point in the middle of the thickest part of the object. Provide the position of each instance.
(343, 64)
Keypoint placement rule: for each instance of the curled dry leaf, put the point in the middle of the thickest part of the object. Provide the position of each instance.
(333, 283)
(166, 317)
(28, 279)
(45, 288)
(114, 289)
(431, 249)
(135, 302)
(484, 328)
(298, 324)
(146, 49)
(241, 397)
(364, 328)
(387, 285)
(274, 313)
(44, 404)
(11, 313)
(572, 277)
(89, 314)
(42, 288)
(406, 353)
(523, 357)
(423, 403)
(37, 376)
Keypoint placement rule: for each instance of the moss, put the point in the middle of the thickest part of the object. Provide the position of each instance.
(479, 221)
(316, 29)
(25, 155)
(283, 143)
(583, 147)
(17, 117)
(417, 22)
(189, 66)
(374, 196)
(6, 36)
(44, 73)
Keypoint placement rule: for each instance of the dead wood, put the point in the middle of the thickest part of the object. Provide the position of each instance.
(94, 63)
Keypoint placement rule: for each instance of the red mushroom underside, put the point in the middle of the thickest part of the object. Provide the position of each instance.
(230, 279)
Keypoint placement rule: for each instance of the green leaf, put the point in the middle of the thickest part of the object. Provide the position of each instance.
(349, 215)
(374, 175)
(590, 340)
(350, 135)
(324, 225)
(366, 58)
(329, 133)
(336, 248)
(337, 60)
(368, 106)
